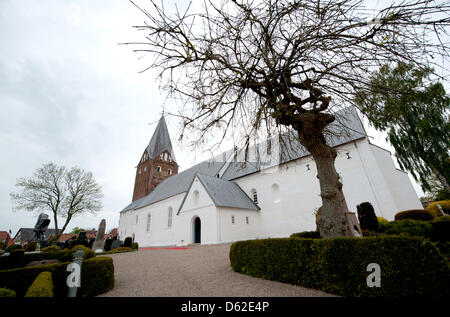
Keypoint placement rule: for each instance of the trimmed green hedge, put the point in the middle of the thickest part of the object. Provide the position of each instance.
(408, 227)
(414, 214)
(13, 247)
(409, 266)
(42, 286)
(4, 292)
(97, 277)
(306, 235)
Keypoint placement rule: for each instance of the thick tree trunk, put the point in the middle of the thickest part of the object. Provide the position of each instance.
(332, 221)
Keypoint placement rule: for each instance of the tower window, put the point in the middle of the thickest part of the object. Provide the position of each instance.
(165, 156)
(159, 169)
(169, 171)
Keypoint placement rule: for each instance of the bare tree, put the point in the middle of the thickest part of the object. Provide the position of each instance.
(66, 193)
(258, 65)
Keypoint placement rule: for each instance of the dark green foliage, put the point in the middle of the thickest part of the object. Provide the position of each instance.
(13, 247)
(31, 246)
(306, 235)
(407, 227)
(16, 258)
(366, 216)
(52, 248)
(441, 229)
(415, 214)
(4, 292)
(409, 266)
(127, 242)
(415, 116)
(108, 244)
(88, 253)
(135, 246)
(444, 248)
(97, 277)
(42, 286)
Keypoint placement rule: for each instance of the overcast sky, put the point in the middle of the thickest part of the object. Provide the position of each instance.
(71, 95)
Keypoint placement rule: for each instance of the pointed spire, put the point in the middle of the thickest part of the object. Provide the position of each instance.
(160, 141)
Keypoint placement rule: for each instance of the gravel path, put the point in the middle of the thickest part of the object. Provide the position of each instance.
(202, 271)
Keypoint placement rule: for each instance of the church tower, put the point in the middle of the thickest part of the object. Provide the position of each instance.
(157, 162)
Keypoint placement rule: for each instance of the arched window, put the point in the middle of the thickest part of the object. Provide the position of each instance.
(169, 220)
(165, 156)
(169, 171)
(159, 169)
(254, 196)
(196, 196)
(149, 219)
(275, 193)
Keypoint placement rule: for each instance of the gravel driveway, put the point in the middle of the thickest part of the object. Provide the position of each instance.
(202, 271)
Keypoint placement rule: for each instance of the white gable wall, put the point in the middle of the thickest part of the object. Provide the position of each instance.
(202, 207)
(240, 230)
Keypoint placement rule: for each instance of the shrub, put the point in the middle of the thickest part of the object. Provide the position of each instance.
(16, 258)
(42, 286)
(13, 247)
(434, 210)
(440, 229)
(52, 248)
(88, 253)
(31, 246)
(382, 221)
(128, 241)
(135, 246)
(414, 214)
(306, 235)
(366, 216)
(97, 277)
(108, 244)
(409, 266)
(407, 227)
(120, 249)
(4, 292)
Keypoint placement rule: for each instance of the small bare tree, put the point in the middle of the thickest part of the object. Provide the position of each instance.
(66, 193)
(255, 65)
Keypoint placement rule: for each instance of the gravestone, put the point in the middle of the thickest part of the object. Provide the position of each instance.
(116, 244)
(99, 242)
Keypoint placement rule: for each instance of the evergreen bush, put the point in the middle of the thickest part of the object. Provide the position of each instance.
(306, 235)
(407, 227)
(434, 210)
(13, 247)
(409, 266)
(414, 214)
(127, 242)
(366, 216)
(4, 292)
(42, 286)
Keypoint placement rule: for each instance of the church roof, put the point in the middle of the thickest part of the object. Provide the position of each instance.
(176, 184)
(160, 141)
(347, 127)
(224, 193)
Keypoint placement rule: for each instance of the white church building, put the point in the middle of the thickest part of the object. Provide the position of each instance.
(274, 193)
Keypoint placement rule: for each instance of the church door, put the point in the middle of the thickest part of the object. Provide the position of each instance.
(197, 230)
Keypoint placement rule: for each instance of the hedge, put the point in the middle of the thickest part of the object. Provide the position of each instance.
(433, 209)
(306, 235)
(13, 247)
(414, 214)
(408, 227)
(409, 266)
(97, 277)
(4, 292)
(42, 286)
(441, 229)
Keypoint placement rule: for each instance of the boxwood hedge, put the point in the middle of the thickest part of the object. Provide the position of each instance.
(42, 286)
(97, 277)
(410, 266)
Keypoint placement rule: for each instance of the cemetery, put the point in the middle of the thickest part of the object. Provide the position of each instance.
(42, 270)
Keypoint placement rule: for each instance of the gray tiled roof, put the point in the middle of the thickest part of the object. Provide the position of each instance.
(160, 141)
(224, 193)
(176, 184)
(347, 127)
